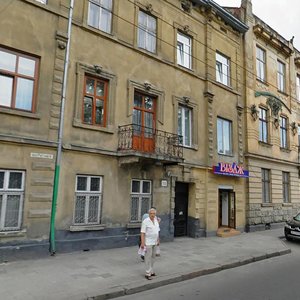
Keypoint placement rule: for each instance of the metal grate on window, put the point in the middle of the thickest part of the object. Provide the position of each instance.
(12, 211)
(80, 209)
(134, 208)
(145, 206)
(93, 210)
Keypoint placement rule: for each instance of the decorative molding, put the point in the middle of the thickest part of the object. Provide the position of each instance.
(149, 7)
(294, 128)
(297, 61)
(254, 112)
(186, 5)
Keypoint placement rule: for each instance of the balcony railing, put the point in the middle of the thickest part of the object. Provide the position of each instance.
(150, 141)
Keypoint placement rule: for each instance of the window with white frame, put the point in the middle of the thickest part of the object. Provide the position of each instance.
(42, 1)
(88, 198)
(283, 132)
(11, 199)
(286, 187)
(266, 185)
(184, 50)
(281, 76)
(222, 69)
(146, 32)
(140, 198)
(263, 125)
(298, 86)
(260, 64)
(100, 14)
(224, 130)
(185, 125)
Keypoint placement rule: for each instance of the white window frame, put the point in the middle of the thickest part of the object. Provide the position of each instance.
(283, 132)
(260, 64)
(6, 191)
(281, 76)
(263, 125)
(286, 187)
(101, 10)
(186, 136)
(87, 194)
(146, 36)
(222, 69)
(42, 1)
(184, 50)
(298, 86)
(140, 195)
(223, 136)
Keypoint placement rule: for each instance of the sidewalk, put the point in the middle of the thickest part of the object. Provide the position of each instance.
(106, 274)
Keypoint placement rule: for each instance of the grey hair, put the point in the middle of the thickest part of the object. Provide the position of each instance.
(151, 209)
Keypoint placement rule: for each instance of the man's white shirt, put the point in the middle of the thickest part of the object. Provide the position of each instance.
(151, 230)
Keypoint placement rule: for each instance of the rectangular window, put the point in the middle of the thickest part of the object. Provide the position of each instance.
(298, 87)
(140, 198)
(286, 187)
(222, 69)
(95, 101)
(263, 125)
(18, 80)
(146, 32)
(266, 185)
(100, 14)
(281, 76)
(11, 199)
(261, 64)
(88, 197)
(283, 132)
(224, 130)
(185, 125)
(184, 50)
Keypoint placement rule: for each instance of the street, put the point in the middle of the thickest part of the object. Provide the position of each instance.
(270, 279)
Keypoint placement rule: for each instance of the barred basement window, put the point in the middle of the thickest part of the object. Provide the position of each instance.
(140, 198)
(11, 199)
(88, 198)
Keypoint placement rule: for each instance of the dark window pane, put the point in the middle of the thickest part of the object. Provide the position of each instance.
(15, 180)
(134, 208)
(99, 111)
(90, 86)
(146, 187)
(88, 110)
(81, 183)
(1, 180)
(100, 88)
(95, 184)
(93, 209)
(80, 209)
(145, 205)
(138, 100)
(135, 186)
(149, 103)
(12, 211)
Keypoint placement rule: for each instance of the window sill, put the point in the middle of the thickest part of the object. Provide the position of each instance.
(9, 234)
(283, 93)
(193, 147)
(20, 113)
(185, 68)
(79, 124)
(264, 144)
(286, 150)
(287, 204)
(262, 81)
(227, 155)
(267, 204)
(77, 228)
(134, 225)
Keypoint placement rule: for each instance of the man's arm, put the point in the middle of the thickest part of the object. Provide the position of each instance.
(142, 239)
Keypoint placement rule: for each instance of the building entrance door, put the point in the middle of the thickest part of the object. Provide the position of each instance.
(181, 208)
(227, 208)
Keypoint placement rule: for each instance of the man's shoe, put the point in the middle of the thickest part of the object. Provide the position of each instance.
(153, 274)
(148, 277)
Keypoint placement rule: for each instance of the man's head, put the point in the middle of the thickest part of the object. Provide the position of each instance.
(152, 213)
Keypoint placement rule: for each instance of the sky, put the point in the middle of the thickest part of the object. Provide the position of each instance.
(282, 15)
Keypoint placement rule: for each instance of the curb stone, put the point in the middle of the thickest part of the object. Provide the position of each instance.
(170, 279)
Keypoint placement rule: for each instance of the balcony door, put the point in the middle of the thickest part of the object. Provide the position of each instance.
(143, 122)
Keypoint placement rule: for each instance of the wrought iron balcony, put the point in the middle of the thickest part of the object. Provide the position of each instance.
(149, 142)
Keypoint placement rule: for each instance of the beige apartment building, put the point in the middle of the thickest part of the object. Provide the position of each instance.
(154, 116)
(272, 123)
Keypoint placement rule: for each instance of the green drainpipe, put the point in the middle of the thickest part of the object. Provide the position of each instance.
(52, 248)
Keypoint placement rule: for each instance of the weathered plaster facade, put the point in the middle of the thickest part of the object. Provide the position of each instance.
(40, 30)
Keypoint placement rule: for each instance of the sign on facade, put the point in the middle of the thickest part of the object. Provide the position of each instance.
(41, 155)
(228, 169)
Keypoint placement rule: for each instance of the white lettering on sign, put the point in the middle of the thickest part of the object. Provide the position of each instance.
(41, 155)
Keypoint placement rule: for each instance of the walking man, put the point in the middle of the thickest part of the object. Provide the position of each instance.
(150, 240)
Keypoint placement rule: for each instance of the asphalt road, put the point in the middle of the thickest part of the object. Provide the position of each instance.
(271, 279)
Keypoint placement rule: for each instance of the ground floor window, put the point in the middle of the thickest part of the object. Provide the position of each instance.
(140, 198)
(11, 199)
(266, 185)
(88, 197)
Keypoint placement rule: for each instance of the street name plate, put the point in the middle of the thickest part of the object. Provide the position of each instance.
(41, 155)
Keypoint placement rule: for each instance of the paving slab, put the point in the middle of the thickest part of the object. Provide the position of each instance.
(106, 274)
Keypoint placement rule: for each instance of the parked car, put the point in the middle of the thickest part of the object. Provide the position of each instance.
(292, 228)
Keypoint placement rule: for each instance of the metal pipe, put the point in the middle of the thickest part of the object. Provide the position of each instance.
(52, 248)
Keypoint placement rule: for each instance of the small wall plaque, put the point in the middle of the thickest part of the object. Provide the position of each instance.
(164, 183)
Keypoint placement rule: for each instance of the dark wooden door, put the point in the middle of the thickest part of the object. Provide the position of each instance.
(181, 209)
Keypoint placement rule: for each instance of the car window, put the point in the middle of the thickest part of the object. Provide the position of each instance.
(297, 218)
